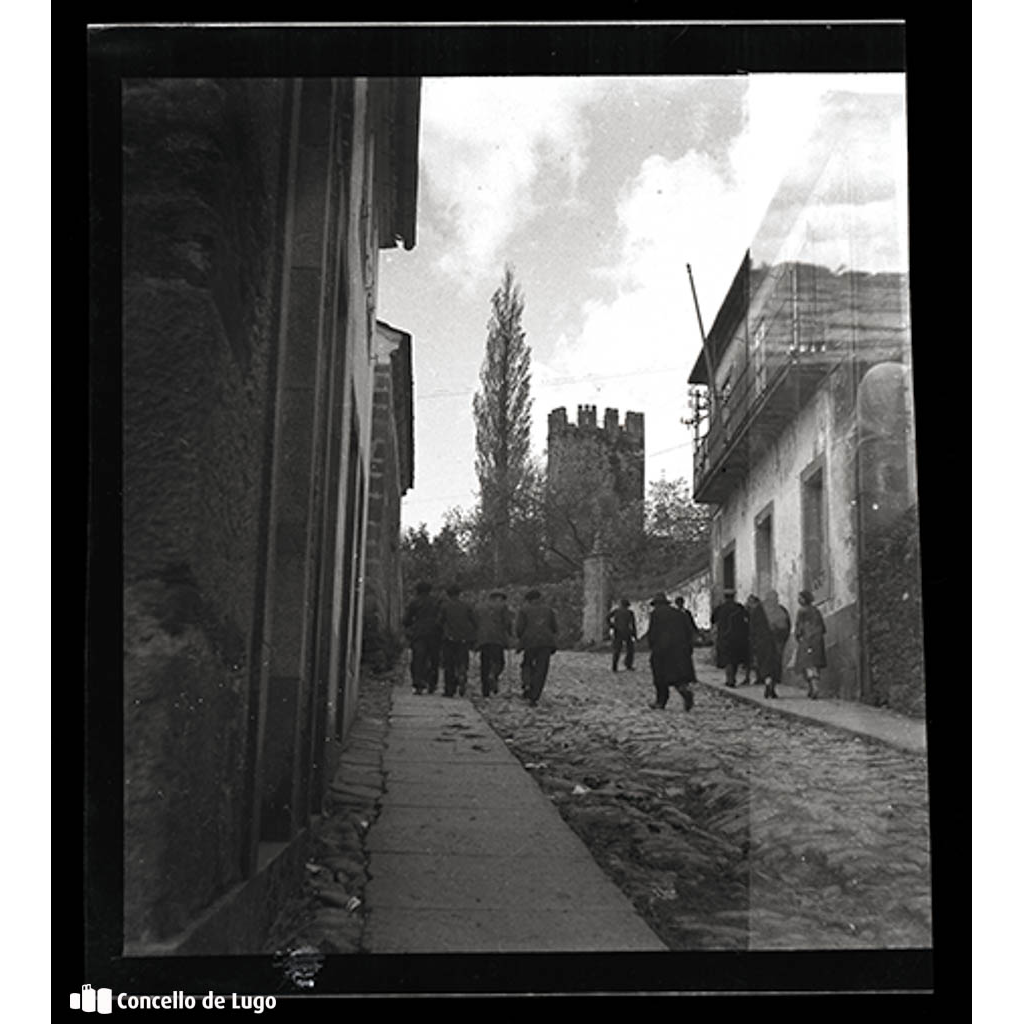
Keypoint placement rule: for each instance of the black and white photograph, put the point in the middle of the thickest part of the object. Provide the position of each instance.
(506, 482)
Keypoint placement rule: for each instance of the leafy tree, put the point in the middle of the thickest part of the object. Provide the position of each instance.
(417, 556)
(677, 530)
(448, 557)
(501, 411)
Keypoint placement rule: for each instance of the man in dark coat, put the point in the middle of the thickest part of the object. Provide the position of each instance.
(622, 623)
(423, 632)
(536, 635)
(494, 634)
(670, 639)
(458, 634)
(731, 637)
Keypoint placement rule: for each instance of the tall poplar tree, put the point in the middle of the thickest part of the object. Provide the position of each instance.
(502, 411)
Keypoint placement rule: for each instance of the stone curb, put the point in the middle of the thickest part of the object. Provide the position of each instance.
(779, 707)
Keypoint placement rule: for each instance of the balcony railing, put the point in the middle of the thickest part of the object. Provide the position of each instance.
(799, 323)
(763, 399)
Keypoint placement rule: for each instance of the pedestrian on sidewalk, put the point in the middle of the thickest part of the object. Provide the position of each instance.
(494, 634)
(536, 632)
(810, 642)
(423, 633)
(670, 639)
(732, 644)
(769, 631)
(458, 626)
(622, 623)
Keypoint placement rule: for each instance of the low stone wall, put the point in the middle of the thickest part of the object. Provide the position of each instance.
(565, 597)
(695, 590)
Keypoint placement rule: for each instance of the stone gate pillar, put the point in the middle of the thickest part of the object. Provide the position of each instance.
(596, 597)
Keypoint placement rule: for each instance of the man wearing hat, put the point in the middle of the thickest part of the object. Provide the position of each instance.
(536, 635)
(423, 632)
(622, 623)
(671, 642)
(458, 631)
(731, 636)
(494, 634)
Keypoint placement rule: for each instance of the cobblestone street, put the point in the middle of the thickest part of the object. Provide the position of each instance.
(730, 827)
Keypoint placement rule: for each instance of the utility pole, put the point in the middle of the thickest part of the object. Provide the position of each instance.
(712, 389)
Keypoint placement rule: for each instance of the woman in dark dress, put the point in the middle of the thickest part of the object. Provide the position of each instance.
(769, 631)
(810, 642)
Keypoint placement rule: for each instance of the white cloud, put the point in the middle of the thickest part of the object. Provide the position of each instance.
(485, 142)
(639, 346)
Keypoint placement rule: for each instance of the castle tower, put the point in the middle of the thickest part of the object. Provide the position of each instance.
(591, 466)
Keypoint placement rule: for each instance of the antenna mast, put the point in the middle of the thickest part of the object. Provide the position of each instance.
(712, 389)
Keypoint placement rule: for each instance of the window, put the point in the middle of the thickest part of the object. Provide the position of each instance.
(729, 567)
(764, 556)
(758, 355)
(815, 532)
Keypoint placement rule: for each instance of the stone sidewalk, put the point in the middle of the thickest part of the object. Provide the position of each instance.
(467, 855)
(438, 839)
(874, 724)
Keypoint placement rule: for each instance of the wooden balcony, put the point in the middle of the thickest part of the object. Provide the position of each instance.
(758, 409)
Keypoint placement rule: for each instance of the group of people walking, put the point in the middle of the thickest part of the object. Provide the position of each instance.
(753, 637)
(442, 630)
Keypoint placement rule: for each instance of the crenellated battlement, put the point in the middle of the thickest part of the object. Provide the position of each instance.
(586, 419)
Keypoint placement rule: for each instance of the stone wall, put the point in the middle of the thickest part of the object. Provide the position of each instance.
(892, 608)
(253, 212)
(595, 478)
(201, 189)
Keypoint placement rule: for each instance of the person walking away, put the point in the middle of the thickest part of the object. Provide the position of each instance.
(536, 630)
(770, 650)
(622, 623)
(729, 620)
(423, 633)
(458, 627)
(761, 643)
(494, 634)
(670, 639)
(810, 642)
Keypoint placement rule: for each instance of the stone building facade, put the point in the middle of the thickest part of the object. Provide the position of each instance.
(253, 214)
(804, 432)
(595, 476)
(391, 476)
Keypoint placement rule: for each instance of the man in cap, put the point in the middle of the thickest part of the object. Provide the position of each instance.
(423, 632)
(622, 623)
(494, 634)
(458, 630)
(536, 632)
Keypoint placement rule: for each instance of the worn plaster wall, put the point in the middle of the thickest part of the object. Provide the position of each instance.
(774, 485)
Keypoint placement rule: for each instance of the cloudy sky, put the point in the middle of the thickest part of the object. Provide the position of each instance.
(599, 192)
